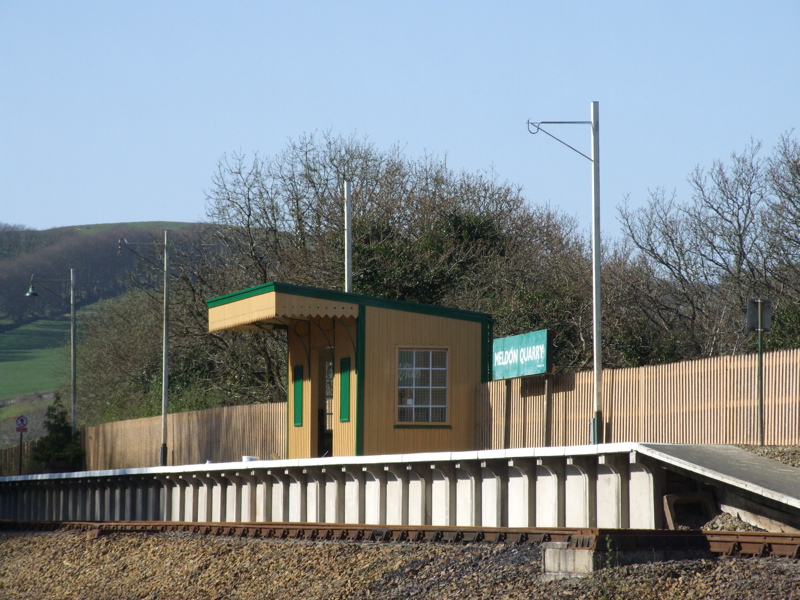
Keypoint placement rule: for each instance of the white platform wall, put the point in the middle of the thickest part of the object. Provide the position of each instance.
(609, 485)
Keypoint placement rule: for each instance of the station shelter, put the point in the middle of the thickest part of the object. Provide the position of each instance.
(369, 375)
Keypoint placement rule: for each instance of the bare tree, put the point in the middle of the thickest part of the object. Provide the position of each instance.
(704, 258)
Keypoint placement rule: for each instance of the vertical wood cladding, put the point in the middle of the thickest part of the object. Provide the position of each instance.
(309, 340)
(708, 401)
(386, 332)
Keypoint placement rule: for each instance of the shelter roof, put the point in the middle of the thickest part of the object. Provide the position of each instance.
(274, 304)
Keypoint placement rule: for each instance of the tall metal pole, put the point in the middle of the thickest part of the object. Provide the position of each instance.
(165, 350)
(348, 242)
(760, 373)
(596, 421)
(72, 342)
(597, 424)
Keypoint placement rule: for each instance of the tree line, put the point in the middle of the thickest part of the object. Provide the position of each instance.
(46, 258)
(674, 286)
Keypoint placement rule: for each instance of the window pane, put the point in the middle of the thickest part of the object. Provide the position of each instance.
(439, 359)
(405, 377)
(422, 386)
(406, 359)
(439, 397)
(405, 396)
(439, 378)
(422, 397)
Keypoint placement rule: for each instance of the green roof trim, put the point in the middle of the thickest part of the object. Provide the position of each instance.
(337, 296)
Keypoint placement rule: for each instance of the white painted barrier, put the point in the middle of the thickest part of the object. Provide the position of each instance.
(582, 486)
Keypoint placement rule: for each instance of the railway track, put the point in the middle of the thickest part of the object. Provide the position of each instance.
(721, 543)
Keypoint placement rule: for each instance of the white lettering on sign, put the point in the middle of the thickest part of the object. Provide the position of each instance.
(506, 357)
(532, 353)
(519, 355)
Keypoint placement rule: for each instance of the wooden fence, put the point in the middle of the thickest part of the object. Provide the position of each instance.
(710, 401)
(9, 460)
(216, 435)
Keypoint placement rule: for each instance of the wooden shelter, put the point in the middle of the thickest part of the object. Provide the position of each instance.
(369, 375)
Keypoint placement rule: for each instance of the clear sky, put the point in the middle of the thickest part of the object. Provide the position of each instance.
(117, 111)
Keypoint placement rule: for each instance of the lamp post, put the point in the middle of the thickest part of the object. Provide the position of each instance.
(759, 319)
(31, 293)
(165, 343)
(596, 423)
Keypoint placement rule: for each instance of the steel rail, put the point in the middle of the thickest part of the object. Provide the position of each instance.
(721, 543)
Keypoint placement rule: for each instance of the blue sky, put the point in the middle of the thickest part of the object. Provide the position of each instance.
(119, 111)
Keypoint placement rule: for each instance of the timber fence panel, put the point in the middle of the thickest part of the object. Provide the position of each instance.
(216, 435)
(782, 398)
(706, 401)
(517, 414)
(621, 405)
(9, 460)
(533, 392)
(491, 415)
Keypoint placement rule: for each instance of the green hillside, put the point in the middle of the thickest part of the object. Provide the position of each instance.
(34, 358)
(34, 333)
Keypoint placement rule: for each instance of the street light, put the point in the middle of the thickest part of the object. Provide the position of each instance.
(165, 342)
(31, 293)
(596, 428)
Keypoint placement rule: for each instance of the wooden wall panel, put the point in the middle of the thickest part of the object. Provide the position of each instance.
(344, 434)
(386, 332)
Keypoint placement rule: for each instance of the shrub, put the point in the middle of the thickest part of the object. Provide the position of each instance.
(60, 449)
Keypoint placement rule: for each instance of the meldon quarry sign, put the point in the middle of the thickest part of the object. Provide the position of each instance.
(521, 355)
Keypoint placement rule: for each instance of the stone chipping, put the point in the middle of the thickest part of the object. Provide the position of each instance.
(121, 566)
(788, 455)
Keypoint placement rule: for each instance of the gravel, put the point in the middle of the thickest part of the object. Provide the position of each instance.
(788, 455)
(122, 566)
(67, 564)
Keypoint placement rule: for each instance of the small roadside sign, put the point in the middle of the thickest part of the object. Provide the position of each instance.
(22, 424)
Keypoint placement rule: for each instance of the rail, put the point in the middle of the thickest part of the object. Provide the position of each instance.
(720, 543)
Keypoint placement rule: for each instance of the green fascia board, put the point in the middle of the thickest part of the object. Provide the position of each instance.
(338, 296)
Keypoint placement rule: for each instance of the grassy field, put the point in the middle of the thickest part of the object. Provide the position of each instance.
(34, 358)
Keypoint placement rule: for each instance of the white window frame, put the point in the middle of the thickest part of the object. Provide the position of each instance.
(423, 390)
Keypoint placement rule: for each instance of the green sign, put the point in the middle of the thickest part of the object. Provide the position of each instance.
(521, 355)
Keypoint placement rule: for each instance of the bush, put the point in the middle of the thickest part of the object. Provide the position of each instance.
(60, 450)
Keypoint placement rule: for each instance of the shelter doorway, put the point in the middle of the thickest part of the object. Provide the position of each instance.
(325, 411)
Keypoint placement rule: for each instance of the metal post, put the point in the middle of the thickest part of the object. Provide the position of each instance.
(20, 453)
(72, 342)
(165, 349)
(760, 375)
(596, 421)
(348, 258)
(597, 429)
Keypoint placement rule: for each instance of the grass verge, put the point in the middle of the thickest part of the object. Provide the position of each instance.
(34, 358)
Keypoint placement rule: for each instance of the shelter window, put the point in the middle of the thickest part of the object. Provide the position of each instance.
(422, 385)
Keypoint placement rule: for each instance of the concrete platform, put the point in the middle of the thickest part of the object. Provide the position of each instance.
(732, 466)
(622, 485)
(758, 490)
